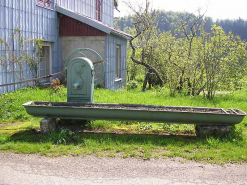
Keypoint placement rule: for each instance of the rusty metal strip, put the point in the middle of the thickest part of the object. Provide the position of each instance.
(34, 79)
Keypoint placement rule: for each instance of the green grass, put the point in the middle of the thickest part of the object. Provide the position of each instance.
(138, 146)
(25, 138)
(11, 109)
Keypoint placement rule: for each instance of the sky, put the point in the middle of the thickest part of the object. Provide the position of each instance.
(217, 9)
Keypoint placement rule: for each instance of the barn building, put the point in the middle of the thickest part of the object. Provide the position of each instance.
(64, 25)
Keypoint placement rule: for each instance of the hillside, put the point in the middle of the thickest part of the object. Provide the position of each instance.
(167, 22)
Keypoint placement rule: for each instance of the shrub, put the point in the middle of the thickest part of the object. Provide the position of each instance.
(65, 136)
(132, 85)
(4, 138)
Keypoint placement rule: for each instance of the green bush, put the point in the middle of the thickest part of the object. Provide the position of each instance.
(132, 85)
(4, 138)
(65, 136)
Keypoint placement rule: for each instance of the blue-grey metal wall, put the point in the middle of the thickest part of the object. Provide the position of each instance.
(110, 65)
(87, 7)
(38, 22)
(34, 22)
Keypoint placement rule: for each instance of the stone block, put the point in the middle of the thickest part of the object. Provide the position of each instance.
(208, 130)
(47, 125)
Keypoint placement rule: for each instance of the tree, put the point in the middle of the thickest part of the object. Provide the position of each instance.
(167, 22)
(191, 58)
(198, 60)
(224, 59)
(146, 38)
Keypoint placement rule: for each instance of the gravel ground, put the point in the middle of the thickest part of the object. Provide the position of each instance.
(20, 169)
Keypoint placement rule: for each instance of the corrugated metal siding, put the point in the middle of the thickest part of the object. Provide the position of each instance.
(110, 65)
(108, 12)
(34, 22)
(72, 27)
(87, 8)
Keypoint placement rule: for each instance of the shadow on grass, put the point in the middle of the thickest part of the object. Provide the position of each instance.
(27, 135)
(66, 142)
(33, 136)
(68, 137)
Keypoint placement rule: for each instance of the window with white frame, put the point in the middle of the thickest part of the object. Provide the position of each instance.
(118, 61)
(44, 68)
(98, 8)
(45, 3)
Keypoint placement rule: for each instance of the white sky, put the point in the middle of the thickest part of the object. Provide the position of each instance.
(217, 9)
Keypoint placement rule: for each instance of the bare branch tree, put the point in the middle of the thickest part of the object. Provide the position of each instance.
(145, 26)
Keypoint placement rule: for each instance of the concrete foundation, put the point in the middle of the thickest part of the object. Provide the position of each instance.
(206, 130)
(97, 43)
(47, 125)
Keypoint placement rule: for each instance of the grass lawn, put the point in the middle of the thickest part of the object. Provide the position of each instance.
(24, 138)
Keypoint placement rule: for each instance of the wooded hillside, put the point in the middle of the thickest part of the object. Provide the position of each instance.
(167, 21)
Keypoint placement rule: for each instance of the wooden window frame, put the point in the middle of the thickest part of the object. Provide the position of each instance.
(98, 9)
(46, 44)
(42, 3)
(118, 63)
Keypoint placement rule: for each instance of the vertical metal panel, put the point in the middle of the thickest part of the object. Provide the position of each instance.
(88, 8)
(34, 22)
(111, 43)
(1, 70)
(38, 22)
(107, 14)
(106, 63)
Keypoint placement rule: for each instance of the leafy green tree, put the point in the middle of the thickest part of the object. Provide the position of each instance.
(224, 59)
(197, 60)
(194, 56)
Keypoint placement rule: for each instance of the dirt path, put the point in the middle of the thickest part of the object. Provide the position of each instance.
(9, 125)
(19, 169)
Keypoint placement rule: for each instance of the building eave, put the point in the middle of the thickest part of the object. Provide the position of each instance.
(121, 34)
(92, 22)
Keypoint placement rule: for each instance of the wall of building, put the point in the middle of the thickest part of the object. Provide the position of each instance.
(87, 8)
(110, 65)
(38, 22)
(97, 43)
(34, 22)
